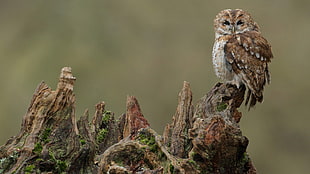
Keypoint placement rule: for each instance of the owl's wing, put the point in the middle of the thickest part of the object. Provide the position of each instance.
(249, 53)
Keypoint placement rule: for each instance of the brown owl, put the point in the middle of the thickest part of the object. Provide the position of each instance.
(240, 53)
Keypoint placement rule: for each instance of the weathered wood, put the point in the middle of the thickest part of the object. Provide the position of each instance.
(202, 139)
(176, 134)
(134, 118)
(218, 144)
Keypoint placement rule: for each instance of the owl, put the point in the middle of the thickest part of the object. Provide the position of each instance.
(241, 54)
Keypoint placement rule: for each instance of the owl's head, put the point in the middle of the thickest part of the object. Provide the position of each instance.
(234, 22)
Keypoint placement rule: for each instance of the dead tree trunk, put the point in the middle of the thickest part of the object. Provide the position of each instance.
(201, 139)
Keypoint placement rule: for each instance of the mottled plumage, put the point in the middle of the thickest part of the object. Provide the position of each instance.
(240, 53)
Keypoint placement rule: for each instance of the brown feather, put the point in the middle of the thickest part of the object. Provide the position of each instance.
(249, 53)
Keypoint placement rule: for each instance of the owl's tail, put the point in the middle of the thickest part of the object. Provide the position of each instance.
(253, 99)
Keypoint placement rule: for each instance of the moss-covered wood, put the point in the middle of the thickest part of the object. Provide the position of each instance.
(201, 139)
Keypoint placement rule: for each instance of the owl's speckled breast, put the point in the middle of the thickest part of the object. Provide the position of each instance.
(222, 68)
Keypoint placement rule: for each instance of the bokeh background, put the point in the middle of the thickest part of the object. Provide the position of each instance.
(147, 49)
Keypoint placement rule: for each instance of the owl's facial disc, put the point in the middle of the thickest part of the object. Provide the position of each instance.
(234, 25)
(235, 21)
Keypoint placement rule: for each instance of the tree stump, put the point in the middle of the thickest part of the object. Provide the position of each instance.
(201, 139)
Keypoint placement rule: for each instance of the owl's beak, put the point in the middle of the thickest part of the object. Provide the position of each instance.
(233, 29)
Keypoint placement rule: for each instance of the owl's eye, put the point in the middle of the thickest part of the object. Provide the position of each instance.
(226, 23)
(240, 22)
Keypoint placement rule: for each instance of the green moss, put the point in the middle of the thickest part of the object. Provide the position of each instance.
(101, 135)
(149, 140)
(39, 160)
(61, 166)
(192, 155)
(44, 136)
(82, 141)
(7, 162)
(191, 161)
(244, 160)
(194, 164)
(106, 116)
(119, 161)
(37, 148)
(29, 168)
(221, 107)
(171, 168)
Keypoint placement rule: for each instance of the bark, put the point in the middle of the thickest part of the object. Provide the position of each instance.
(201, 139)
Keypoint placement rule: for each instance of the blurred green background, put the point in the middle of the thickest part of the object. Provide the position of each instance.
(147, 49)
